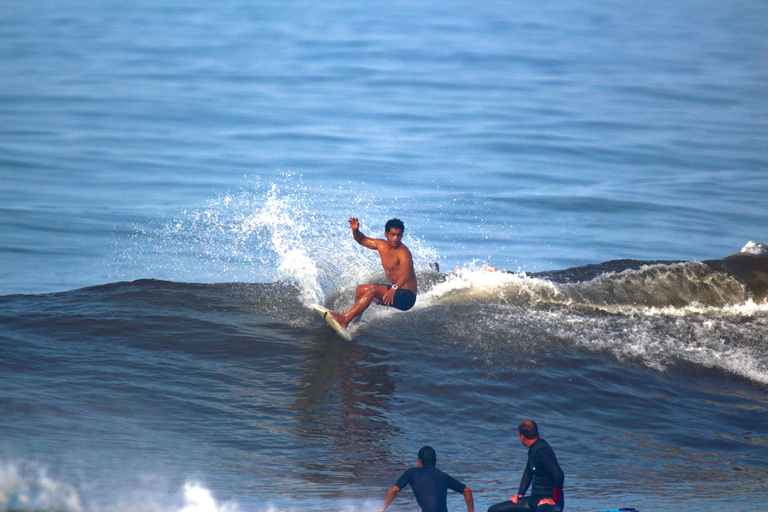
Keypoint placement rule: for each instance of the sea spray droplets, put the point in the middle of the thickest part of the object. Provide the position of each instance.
(254, 234)
(287, 235)
(278, 231)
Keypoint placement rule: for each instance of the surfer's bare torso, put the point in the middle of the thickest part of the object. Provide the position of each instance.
(396, 260)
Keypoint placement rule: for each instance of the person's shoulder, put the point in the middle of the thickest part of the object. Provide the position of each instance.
(453, 482)
(407, 474)
(541, 444)
(434, 470)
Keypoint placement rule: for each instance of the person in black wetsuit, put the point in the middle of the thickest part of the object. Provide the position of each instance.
(429, 485)
(543, 471)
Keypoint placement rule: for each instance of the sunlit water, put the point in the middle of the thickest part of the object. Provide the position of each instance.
(175, 181)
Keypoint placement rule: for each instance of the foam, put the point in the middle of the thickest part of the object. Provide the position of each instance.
(755, 248)
(25, 486)
(678, 290)
(28, 487)
(472, 284)
(198, 498)
(703, 342)
(514, 312)
(730, 344)
(749, 308)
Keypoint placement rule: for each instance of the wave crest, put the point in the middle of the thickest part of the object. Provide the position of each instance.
(668, 289)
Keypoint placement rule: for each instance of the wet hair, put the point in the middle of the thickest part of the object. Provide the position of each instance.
(427, 456)
(394, 223)
(528, 429)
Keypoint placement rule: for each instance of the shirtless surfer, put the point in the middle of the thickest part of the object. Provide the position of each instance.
(398, 265)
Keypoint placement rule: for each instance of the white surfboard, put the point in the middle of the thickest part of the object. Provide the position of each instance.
(323, 313)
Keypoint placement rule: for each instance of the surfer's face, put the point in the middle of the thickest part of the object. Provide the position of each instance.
(394, 237)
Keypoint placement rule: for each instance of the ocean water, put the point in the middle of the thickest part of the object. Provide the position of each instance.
(175, 181)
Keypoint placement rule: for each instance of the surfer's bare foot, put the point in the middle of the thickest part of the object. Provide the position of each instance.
(339, 318)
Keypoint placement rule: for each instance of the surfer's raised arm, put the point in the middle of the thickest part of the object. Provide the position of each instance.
(358, 235)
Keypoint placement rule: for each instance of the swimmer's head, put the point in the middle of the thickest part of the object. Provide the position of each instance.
(427, 456)
(528, 430)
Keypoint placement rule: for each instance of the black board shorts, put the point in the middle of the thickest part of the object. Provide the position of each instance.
(403, 300)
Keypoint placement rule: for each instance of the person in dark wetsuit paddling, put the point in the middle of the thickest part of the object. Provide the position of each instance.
(429, 485)
(543, 471)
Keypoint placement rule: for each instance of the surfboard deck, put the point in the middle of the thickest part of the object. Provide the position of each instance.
(323, 314)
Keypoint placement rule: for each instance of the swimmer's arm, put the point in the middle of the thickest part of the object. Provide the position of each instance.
(391, 496)
(468, 498)
(524, 483)
(550, 462)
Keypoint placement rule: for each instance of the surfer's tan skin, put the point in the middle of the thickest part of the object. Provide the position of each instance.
(398, 265)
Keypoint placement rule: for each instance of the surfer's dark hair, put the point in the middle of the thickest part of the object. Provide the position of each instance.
(394, 223)
(528, 429)
(427, 456)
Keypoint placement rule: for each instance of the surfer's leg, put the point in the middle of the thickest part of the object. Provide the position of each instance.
(551, 508)
(522, 505)
(371, 292)
(359, 292)
(361, 289)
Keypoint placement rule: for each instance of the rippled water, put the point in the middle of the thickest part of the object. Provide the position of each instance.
(175, 180)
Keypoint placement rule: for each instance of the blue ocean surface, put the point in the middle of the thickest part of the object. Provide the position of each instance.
(175, 183)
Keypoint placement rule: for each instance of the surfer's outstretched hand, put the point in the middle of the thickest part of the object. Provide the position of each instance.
(354, 223)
